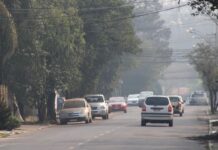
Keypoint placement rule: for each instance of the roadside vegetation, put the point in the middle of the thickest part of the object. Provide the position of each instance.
(204, 56)
(69, 47)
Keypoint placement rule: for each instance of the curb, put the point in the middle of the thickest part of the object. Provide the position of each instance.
(211, 124)
(5, 134)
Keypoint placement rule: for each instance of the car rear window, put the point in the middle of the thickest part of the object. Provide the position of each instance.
(74, 104)
(117, 99)
(174, 99)
(198, 95)
(156, 101)
(94, 99)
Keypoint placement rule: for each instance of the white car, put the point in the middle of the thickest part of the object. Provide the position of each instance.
(99, 106)
(157, 109)
(142, 97)
(133, 99)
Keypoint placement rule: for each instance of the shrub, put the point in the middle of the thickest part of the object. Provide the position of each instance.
(7, 121)
(12, 123)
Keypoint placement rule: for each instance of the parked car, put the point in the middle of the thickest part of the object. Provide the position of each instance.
(99, 106)
(157, 109)
(199, 98)
(178, 104)
(142, 97)
(76, 109)
(117, 104)
(133, 99)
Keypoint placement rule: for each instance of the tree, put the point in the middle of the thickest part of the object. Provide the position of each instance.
(8, 38)
(107, 37)
(204, 6)
(155, 55)
(204, 60)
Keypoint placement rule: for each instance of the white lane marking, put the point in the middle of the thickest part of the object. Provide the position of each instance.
(71, 148)
(80, 144)
(88, 140)
(3, 145)
(102, 134)
(107, 132)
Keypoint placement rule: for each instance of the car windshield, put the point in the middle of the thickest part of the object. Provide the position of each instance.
(116, 100)
(157, 101)
(133, 96)
(174, 99)
(94, 99)
(74, 104)
(198, 95)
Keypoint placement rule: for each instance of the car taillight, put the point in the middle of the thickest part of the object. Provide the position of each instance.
(143, 108)
(170, 108)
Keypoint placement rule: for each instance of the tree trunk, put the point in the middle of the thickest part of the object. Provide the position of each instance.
(211, 101)
(42, 110)
(51, 106)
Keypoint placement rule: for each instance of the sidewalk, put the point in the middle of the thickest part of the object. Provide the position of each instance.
(23, 129)
(213, 130)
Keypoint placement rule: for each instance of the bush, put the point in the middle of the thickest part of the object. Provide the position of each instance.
(7, 121)
(12, 123)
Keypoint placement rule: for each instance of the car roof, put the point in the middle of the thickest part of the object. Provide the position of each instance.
(158, 96)
(94, 95)
(175, 96)
(75, 99)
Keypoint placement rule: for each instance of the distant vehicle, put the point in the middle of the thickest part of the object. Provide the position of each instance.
(178, 104)
(76, 109)
(133, 99)
(199, 98)
(142, 97)
(99, 106)
(117, 104)
(157, 109)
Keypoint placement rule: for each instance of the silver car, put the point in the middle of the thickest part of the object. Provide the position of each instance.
(99, 106)
(75, 110)
(157, 109)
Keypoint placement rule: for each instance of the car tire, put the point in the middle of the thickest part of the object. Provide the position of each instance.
(93, 117)
(90, 119)
(180, 114)
(171, 123)
(87, 120)
(104, 117)
(125, 111)
(63, 122)
(143, 122)
(107, 116)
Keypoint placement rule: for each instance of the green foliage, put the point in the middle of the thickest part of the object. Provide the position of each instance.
(155, 55)
(12, 123)
(204, 6)
(107, 38)
(205, 61)
(7, 121)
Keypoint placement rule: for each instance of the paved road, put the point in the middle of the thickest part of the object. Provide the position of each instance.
(120, 132)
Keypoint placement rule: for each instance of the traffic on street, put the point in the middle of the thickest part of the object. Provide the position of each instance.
(122, 131)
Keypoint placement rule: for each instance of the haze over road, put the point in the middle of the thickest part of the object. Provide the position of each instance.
(120, 132)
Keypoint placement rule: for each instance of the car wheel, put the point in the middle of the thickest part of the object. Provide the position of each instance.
(125, 111)
(93, 118)
(107, 116)
(87, 120)
(180, 114)
(171, 123)
(104, 117)
(62, 122)
(143, 122)
(90, 119)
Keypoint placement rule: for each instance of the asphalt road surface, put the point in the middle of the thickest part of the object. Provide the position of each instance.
(121, 132)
